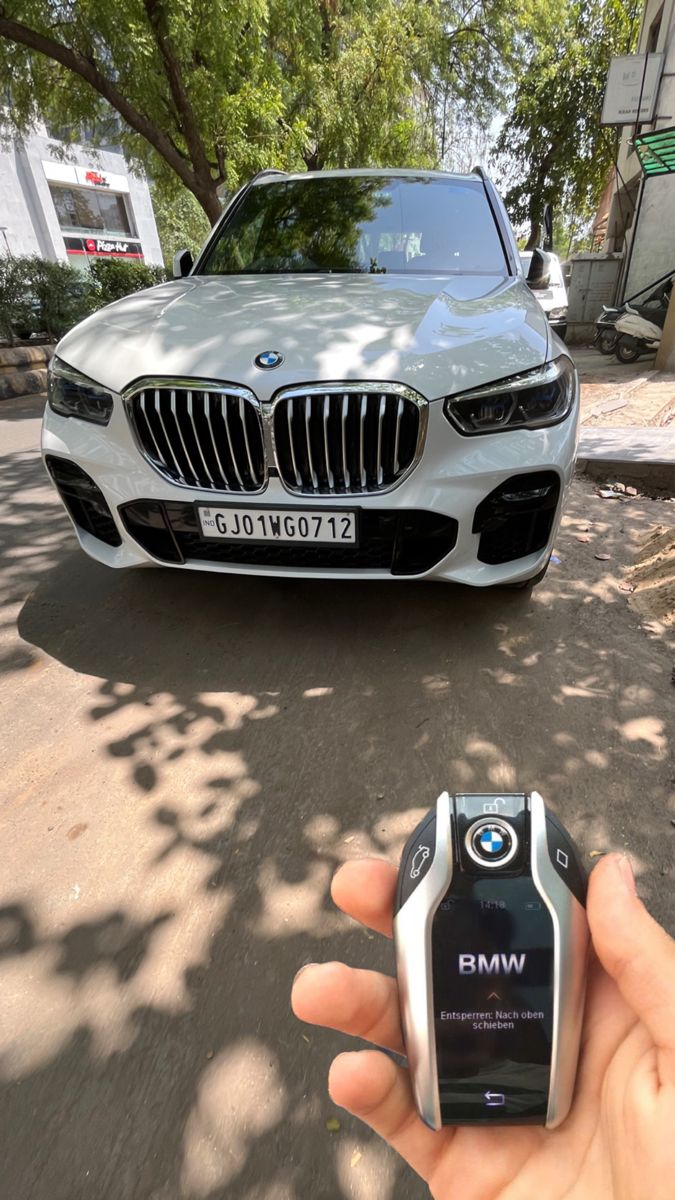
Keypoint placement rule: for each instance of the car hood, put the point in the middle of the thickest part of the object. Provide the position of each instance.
(438, 335)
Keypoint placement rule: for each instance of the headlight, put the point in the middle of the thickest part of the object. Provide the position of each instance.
(528, 401)
(557, 314)
(71, 394)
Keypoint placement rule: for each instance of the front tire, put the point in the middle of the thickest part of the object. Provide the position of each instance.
(606, 341)
(627, 350)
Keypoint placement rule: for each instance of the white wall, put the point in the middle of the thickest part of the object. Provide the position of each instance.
(21, 235)
(26, 206)
(653, 252)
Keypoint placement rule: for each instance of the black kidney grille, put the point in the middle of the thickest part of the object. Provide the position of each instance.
(205, 439)
(345, 443)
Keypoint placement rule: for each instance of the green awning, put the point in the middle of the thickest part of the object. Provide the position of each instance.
(656, 151)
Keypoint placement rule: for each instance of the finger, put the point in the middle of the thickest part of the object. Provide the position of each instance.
(363, 1004)
(636, 952)
(373, 1088)
(364, 889)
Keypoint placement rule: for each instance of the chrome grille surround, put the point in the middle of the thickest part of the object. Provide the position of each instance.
(347, 439)
(200, 434)
(344, 439)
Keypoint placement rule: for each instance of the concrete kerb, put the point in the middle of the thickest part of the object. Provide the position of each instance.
(644, 458)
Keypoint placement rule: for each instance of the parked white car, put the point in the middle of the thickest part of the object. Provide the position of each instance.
(553, 294)
(352, 381)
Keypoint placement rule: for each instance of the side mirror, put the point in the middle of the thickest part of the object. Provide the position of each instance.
(183, 263)
(539, 274)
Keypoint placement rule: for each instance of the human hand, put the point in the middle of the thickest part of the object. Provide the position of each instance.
(618, 1142)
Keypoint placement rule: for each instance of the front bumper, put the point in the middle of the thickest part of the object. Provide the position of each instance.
(439, 499)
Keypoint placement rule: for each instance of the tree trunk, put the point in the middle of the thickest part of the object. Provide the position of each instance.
(535, 235)
(312, 160)
(207, 195)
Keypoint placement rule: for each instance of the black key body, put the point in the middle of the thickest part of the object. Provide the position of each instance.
(491, 947)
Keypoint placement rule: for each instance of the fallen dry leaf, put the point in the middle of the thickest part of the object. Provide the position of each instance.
(597, 853)
(603, 557)
(332, 1124)
(581, 537)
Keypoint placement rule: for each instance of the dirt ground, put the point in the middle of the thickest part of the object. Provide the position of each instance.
(652, 577)
(613, 393)
(186, 758)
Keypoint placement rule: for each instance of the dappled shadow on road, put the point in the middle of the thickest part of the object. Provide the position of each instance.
(247, 736)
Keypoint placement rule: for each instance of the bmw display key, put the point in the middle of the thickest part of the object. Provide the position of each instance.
(491, 946)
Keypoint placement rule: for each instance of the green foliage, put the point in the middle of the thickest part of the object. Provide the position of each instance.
(210, 91)
(115, 278)
(39, 297)
(181, 223)
(552, 148)
(47, 298)
(63, 295)
(16, 313)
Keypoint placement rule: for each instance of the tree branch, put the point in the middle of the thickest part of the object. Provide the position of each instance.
(86, 68)
(190, 130)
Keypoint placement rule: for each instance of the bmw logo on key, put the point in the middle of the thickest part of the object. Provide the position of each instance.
(268, 359)
(491, 843)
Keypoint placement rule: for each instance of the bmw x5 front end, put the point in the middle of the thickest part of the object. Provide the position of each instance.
(354, 381)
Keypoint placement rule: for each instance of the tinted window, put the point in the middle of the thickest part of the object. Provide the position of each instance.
(84, 208)
(360, 224)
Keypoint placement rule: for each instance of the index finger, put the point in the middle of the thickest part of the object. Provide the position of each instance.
(365, 889)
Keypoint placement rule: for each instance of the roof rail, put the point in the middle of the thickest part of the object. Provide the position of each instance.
(268, 171)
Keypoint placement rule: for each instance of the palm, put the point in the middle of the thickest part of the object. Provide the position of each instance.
(613, 1146)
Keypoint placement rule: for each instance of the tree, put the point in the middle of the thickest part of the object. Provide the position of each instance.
(209, 91)
(552, 148)
(181, 223)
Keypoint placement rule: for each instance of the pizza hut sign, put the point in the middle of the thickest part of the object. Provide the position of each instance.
(104, 247)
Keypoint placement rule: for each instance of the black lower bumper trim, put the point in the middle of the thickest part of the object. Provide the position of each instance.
(403, 542)
(517, 517)
(83, 499)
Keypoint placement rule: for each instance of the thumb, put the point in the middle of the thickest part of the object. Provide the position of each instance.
(636, 952)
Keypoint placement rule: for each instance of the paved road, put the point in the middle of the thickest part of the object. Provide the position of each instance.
(185, 760)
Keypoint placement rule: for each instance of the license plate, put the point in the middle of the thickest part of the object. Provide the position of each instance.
(278, 525)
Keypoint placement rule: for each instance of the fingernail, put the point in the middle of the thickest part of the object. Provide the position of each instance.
(304, 967)
(626, 872)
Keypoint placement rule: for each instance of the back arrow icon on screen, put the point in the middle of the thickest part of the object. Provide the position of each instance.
(494, 1099)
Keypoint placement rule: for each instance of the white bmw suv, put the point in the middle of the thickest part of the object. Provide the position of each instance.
(352, 381)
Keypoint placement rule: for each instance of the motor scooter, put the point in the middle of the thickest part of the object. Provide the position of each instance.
(636, 335)
(656, 302)
(605, 329)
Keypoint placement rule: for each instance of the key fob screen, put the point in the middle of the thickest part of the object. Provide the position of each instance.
(492, 944)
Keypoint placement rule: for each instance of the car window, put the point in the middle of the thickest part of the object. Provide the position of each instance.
(357, 224)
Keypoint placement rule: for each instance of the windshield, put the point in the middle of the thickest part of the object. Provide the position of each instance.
(359, 223)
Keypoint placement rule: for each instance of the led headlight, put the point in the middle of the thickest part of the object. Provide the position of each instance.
(530, 400)
(71, 394)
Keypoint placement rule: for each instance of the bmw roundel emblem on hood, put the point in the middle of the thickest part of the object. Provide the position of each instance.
(268, 359)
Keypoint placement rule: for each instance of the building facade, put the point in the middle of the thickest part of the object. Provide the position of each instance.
(74, 203)
(641, 222)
